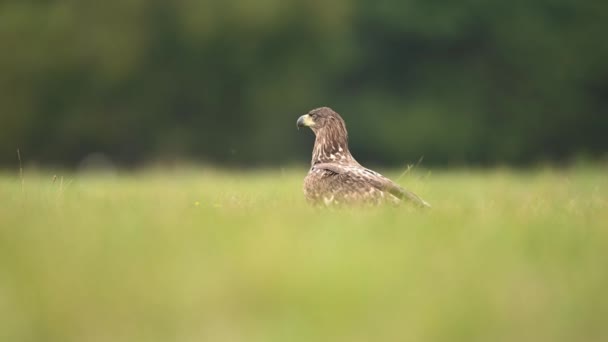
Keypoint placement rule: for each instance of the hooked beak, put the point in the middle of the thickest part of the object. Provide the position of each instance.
(305, 121)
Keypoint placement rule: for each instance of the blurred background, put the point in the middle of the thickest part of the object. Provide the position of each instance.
(223, 82)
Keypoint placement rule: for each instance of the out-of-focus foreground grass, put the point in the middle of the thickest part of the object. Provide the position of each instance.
(210, 256)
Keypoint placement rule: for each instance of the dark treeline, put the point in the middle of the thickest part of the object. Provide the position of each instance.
(479, 82)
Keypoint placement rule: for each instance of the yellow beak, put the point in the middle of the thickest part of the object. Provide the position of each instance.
(305, 121)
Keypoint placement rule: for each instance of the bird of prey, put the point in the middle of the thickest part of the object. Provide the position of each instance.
(335, 177)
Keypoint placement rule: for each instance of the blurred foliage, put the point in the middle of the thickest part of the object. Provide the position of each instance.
(224, 81)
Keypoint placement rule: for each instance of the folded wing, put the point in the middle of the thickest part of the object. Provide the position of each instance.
(338, 182)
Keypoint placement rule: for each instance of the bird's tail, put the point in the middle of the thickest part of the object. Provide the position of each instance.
(412, 197)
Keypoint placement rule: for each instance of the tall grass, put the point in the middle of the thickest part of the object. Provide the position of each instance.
(200, 255)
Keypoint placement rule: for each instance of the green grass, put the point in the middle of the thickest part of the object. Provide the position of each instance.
(199, 255)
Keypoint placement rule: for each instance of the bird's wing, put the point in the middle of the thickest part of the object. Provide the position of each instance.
(360, 174)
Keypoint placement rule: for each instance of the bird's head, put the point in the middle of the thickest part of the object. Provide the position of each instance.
(331, 143)
(321, 120)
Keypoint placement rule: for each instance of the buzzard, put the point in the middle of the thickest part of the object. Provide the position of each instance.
(335, 177)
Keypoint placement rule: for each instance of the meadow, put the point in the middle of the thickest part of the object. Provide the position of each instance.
(208, 255)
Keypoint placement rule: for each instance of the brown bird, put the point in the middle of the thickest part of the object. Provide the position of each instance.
(335, 177)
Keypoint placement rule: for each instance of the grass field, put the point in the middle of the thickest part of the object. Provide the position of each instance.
(201, 255)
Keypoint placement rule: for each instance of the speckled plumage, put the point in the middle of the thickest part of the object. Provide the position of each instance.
(335, 177)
